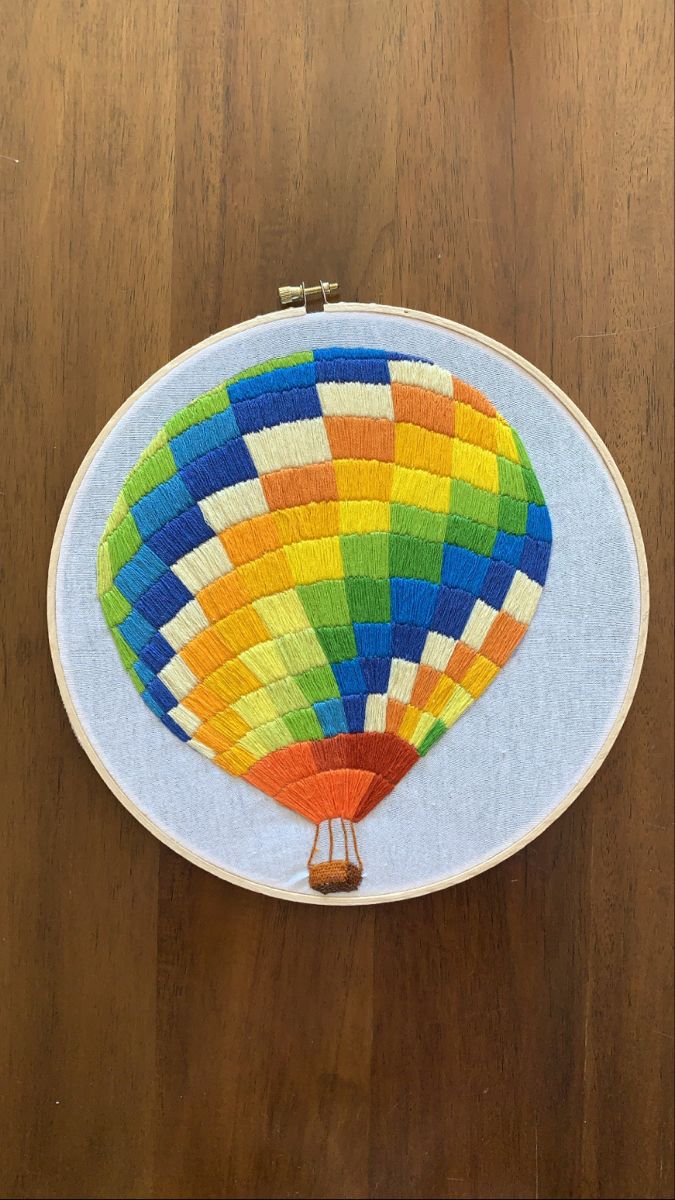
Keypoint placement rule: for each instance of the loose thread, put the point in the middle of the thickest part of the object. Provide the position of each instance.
(356, 846)
(314, 844)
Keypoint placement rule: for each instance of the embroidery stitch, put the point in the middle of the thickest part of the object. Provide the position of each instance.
(315, 568)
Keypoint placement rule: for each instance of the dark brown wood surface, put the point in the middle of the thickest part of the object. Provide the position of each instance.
(508, 165)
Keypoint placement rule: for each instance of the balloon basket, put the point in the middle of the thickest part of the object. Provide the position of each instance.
(334, 863)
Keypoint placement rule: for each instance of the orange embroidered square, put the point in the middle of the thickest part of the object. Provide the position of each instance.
(230, 724)
(417, 406)
(251, 539)
(423, 449)
(205, 653)
(469, 395)
(267, 576)
(237, 760)
(282, 767)
(203, 702)
(209, 735)
(479, 676)
(242, 629)
(300, 485)
(363, 480)
(224, 596)
(426, 680)
(409, 723)
(361, 437)
(502, 639)
(305, 523)
(475, 427)
(460, 661)
(395, 714)
(441, 694)
(232, 681)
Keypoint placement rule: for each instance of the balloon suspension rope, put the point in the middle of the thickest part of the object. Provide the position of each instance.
(336, 874)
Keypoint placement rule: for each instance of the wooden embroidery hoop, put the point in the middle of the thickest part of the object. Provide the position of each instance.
(571, 795)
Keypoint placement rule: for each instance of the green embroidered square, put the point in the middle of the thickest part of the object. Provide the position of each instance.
(366, 554)
(273, 364)
(104, 575)
(160, 439)
(149, 473)
(127, 655)
(338, 642)
(437, 730)
(474, 503)
(534, 492)
(471, 535)
(511, 481)
(115, 606)
(304, 725)
(206, 406)
(512, 515)
(137, 681)
(300, 650)
(123, 543)
(418, 522)
(119, 511)
(286, 695)
(325, 603)
(522, 452)
(368, 599)
(410, 558)
(267, 738)
(318, 684)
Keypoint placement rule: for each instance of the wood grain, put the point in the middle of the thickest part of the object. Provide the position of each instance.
(510, 166)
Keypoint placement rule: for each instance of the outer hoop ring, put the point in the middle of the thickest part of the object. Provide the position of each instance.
(410, 893)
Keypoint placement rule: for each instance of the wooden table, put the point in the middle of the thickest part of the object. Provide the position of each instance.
(505, 164)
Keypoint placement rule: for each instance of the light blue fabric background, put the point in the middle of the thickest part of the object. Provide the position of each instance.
(510, 759)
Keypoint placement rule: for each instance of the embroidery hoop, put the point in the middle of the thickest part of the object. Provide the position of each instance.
(363, 311)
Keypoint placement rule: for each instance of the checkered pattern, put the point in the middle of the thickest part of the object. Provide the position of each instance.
(319, 565)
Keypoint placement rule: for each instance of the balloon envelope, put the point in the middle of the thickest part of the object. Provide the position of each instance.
(315, 568)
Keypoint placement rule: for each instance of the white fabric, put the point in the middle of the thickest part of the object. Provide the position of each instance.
(506, 764)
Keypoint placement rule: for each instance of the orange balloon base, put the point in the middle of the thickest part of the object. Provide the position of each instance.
(343, 776)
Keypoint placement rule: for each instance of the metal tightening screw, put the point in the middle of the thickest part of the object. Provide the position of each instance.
(299, 294)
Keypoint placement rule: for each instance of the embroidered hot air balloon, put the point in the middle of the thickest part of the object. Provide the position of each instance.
(316, 568)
